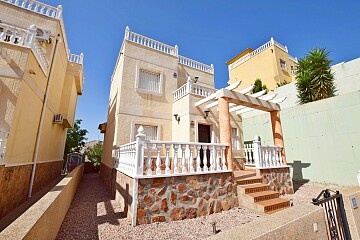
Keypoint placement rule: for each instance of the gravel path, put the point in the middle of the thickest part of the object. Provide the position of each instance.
(93, 215)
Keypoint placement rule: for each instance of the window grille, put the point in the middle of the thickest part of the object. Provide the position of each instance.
(151, 132)
(149, 81)
(282, 64)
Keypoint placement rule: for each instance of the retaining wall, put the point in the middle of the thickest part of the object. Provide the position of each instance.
(44, 218)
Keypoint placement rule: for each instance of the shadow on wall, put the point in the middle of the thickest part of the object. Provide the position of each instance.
(298, 179)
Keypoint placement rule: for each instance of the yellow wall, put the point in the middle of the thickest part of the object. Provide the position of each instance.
(29, 97)
(266, 66)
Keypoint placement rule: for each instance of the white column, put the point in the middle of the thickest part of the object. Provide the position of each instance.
(158, 159)
(167, 159)
(191, 159)
(183, 158)
(257, 154)
(148, 148)
(176, 147)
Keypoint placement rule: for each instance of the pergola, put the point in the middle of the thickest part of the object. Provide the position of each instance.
(230, 101)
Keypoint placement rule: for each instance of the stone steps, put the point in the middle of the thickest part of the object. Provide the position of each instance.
(255, 195)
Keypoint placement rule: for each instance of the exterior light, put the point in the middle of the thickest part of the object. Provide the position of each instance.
(177, 118)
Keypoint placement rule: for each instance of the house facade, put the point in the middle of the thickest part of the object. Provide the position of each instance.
(172, 140)
(40, 81)
(270, 62)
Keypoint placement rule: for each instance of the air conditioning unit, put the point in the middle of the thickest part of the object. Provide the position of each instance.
(43, 34)
(58, 118)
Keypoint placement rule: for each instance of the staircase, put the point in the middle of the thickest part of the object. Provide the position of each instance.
(255, 195)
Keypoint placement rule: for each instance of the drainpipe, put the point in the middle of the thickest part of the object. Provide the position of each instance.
(37, 143)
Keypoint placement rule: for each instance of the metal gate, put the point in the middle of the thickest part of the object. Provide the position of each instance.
(337, 225)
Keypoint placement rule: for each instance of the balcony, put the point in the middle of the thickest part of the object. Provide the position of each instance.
(191, 88)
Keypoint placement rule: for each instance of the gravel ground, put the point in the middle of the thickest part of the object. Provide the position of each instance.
(93, 215)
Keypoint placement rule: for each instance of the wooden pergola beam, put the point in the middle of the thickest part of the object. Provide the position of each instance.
(247, 101)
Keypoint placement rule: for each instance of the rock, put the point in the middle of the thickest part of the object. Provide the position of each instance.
(158, 219)
(217, 207)
(207, 197)
(142, 216)
(192, 193)
(162, 191)
(148, 200)
(215, 194)
(211, 181)
(185, 199)
(225, 205)
(181, 187)
(152, 191)
(177, 213)
(193, 182)
(155, 209)
(173, 198)
(191, 213)
(158, 182)
(141, 189)
(210, 209)
(164, 205)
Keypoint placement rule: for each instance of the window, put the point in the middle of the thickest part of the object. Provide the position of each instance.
(149, 82)
(293, 70)
(234, 139)
(282, 64)
(151, 132)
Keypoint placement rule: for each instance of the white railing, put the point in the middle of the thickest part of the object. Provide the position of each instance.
(256, 52)
(263, 156)
(162, 47)
(38, 7)
(151, 43)
(162, 158)
(25, 38)
(3, 138)
(294, 59)
(191, 87)
(76, 58)
(197, 65)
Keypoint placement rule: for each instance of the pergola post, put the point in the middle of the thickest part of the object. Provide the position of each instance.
(277, 132)
(225, 129)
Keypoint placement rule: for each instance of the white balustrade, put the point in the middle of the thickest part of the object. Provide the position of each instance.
(262, 156)
(163, 158)
(162, 47)
(257, 51)
(195, 64)
(76, 58)
(151, 43)
(38, 7)
(191, 87)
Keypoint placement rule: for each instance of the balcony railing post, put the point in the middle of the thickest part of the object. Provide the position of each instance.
(140, 142)
(127, 33)
(358, 177)
(30, 36)
(257, 151)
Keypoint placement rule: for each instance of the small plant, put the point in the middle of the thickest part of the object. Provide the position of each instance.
(259, 86)
(94, 154)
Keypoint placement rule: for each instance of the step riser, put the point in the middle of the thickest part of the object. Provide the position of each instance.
(267, 197)
(256, 189)
(276, 206)
(244, 182)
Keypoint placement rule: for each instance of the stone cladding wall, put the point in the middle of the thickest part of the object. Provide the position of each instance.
(177, 198)
(14, 183)
(46, 173)
(108, 175)
(279, 179)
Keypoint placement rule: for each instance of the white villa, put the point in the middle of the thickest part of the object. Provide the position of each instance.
(173, 145)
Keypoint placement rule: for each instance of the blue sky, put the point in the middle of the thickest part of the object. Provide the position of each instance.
(207, 31)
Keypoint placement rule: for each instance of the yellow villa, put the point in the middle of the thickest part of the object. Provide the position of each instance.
(40, 81)
(270, 62)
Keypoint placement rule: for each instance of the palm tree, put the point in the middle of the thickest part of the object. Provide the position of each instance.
(315, 81)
